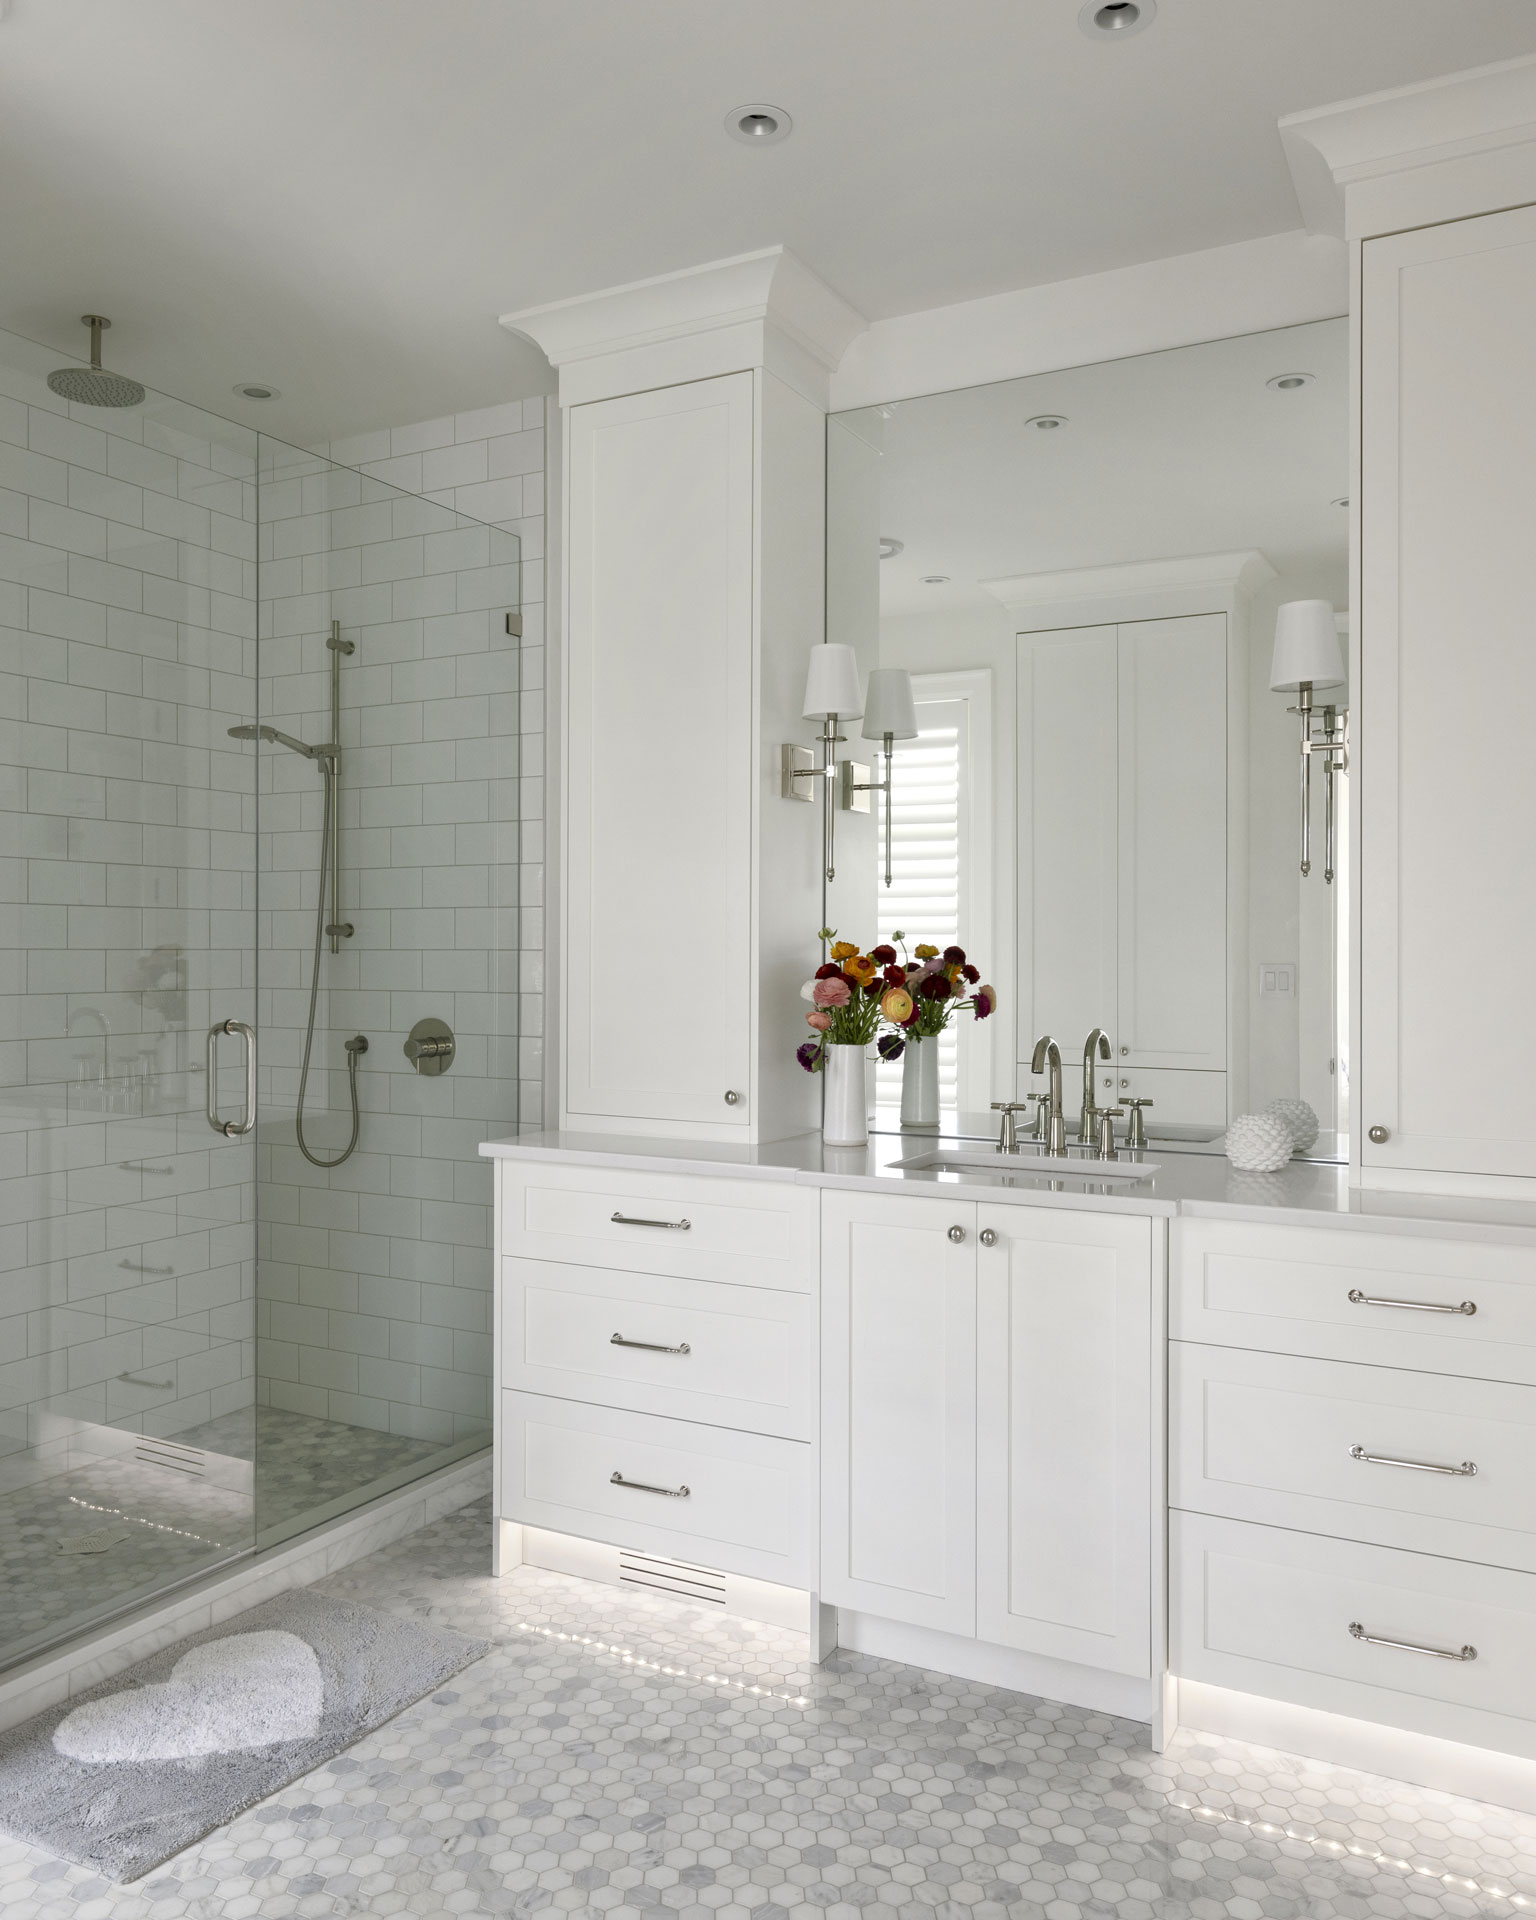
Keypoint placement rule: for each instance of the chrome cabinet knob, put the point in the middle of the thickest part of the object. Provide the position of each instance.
(731, 1096)
(987, 1237)
(957, 1234)
(1124, 1052)
(1380, 1135)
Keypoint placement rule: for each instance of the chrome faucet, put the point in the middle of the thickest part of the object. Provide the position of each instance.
(1097, 1042)
(1048, 1054)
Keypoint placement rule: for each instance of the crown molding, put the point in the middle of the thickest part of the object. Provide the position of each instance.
(1106, 593)
(1461, 132)
(763, 309)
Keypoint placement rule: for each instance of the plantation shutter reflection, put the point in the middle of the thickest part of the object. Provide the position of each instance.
(925, 898)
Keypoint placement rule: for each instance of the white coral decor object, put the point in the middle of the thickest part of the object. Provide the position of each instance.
(1301, 1120)
(1259, 1142)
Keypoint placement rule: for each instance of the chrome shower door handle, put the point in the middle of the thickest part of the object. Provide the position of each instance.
(232, 1129)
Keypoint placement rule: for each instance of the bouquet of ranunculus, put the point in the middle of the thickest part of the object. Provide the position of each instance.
(925, 991)
(846, 995)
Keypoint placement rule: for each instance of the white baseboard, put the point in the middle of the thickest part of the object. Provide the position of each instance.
(1501, 1779)
(992, 1666)
(69, 1670)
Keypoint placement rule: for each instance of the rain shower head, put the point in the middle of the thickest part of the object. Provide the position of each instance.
(280, 739)
(93, 386)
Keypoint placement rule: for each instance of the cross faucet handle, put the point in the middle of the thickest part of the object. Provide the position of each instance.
(1008, 1139)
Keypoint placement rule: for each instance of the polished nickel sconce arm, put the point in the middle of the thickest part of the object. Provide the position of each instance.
(792, 769)
(1324, 733)
(849, 787)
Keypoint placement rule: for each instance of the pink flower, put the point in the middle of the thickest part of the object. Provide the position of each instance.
(986, 1001)
(834, 992)
(819, 1020)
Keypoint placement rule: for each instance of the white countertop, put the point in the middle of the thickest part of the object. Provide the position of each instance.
(1306, 1193)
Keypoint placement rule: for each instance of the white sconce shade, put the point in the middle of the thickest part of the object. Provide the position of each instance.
(832, 684)
(888, 705)
(1306, 647)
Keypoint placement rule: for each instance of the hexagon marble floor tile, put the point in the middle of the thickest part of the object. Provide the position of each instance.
(621, 1753)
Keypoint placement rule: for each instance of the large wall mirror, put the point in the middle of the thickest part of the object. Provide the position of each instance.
(1082, 571)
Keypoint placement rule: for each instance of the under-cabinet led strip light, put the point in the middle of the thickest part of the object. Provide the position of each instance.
(632, 1659)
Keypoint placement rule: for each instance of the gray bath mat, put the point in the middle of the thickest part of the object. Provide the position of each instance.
(128, 1773)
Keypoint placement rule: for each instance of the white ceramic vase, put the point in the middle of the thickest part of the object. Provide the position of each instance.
(920, 1084)
(845, 1115)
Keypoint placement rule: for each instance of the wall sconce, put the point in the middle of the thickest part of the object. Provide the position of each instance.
(889, 715)
(1307, 656)
(831, 694)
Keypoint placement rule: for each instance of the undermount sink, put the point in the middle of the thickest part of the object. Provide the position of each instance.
(1003, 1165)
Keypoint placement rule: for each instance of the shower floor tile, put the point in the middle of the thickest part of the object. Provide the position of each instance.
(625, 1754)
(304, 1463)
(172, 1524)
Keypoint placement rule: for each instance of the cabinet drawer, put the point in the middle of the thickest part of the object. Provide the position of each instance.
(692, 1349)
(762, 1232)
(1268, 1437)
(1269, 1612)
(748, 1503)
(1386, 1299)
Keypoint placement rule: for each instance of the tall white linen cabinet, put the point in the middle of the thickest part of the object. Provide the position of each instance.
(1433, 187)
(694, 531)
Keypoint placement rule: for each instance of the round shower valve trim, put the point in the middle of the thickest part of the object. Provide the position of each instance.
(430, 1047)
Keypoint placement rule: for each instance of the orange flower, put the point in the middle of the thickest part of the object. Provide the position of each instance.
(843, 950)
(861, 968)
(897, 1005)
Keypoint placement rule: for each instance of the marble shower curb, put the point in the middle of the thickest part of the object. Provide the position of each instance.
(69, 1670)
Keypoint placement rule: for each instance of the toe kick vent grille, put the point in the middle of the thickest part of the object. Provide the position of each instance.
(151, 1452)
(672, 1576)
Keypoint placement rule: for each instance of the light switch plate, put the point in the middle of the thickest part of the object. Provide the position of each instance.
(1277, 979)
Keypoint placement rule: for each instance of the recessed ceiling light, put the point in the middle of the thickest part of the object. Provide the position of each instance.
(889, 548)
(1289, 382)
(758, 125)
(256, 390)
(1046, 422)
(1115, 19)
(935, 579)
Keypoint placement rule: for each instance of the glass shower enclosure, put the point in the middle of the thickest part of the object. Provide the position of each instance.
(212, 1336)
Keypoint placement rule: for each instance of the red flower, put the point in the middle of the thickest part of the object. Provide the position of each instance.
(885, 955)
(855, 984)
(935, 987)
(986, 1000)
(831, 971)
(955, 956)
(895, 976)
(970, 974)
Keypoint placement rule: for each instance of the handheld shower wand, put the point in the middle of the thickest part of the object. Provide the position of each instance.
(328, 758)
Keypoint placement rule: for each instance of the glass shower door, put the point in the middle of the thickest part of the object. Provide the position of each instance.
(127, 934)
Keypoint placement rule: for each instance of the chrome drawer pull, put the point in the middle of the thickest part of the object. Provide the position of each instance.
(646, 1346)
(1409, 1646)
(630, 1220)
(1464, 1471)
(1359, 1299)
(641, 1486)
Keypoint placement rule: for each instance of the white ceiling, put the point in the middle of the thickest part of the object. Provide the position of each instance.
(339, 196)
(1166, 454)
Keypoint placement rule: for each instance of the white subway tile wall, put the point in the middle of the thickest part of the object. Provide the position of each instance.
(127, 924)
(374, 1303)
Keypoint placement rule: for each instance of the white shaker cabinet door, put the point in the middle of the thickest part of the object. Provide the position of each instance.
(659, 780)
(1068, 860)
(898, 1408)
(1068, 1471)
(1172, 945)
(1445, 698)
